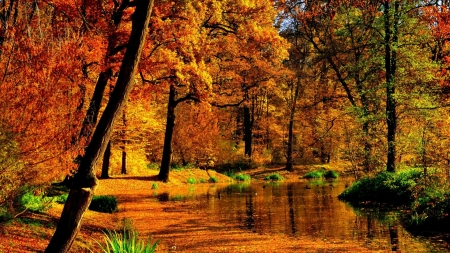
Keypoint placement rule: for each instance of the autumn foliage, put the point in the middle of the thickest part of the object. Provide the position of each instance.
(242, 82)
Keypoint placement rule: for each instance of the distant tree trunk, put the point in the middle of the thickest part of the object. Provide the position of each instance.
(85, 181)
(124, 144)
(170, 125)
(106, 158)
(290, 144)
(390, 64)
(248, 131)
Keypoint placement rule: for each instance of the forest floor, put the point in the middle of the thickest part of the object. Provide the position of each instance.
(178, 226)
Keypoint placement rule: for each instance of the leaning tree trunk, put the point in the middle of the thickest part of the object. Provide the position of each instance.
(167, 150)
(85, 181)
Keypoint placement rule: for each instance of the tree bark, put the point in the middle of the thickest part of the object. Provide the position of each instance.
(290, 144)
(170, 125)
(247, 131)
(390, 64)
(106, 157)
(124, 144)
(85, 181)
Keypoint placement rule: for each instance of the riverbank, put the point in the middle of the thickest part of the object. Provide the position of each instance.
(180, 227)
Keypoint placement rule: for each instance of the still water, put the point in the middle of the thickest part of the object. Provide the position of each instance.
(311, 209)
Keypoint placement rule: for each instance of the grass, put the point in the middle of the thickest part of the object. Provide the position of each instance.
(103, 204)
(274, 177)
(239, 177)
(213, 180)
(179, 167)
(153, 166)
(155, 186)
(322, 173)
(126, 242)
(191, 180)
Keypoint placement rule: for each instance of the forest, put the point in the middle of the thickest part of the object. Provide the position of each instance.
(98, 89)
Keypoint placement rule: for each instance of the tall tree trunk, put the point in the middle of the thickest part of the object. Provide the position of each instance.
(170, 125)
(124, 144)
(106, 157)
(247, 131)
(85, 181)
(390, 67)
(290, 144)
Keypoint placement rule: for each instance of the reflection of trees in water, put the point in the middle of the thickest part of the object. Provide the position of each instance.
(290, 197)
(249, 220)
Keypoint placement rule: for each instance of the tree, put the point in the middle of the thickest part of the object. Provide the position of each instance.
(189, 61)
(85, 181)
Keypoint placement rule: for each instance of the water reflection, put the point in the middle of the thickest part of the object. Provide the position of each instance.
(310, 209)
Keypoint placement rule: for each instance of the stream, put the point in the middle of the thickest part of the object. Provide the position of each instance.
(311, 209)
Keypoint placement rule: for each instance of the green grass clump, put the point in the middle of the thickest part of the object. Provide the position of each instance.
(239, 176)
(179, 167)
(126, 242)
(386, 187)
(103, 204)
(274, 177)
(242, 177)
(191, 180)
(202, 180)
(155, 186)
(315, 174)
(153, 166)
(213, 180)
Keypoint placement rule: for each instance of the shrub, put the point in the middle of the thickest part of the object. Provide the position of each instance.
(178, 167)
(153, 166)
(431, 206)
(331, 174)
(242, 177)
(104, 204)
(35, 203)
(202, 180)
(126, 242)
(213, 180)
(386, 187)
(314, 174)
(61, 198)
(155, 186)
(191, 180)
(274, 177)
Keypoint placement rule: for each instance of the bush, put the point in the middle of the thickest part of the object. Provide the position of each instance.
(386, 187)
(103, 204)
(274, 177)
(155, 186)
(191, 180)
(331, 174)
(153, 166)
(28, 200)
(178, 167)
(126, 242)
(316, 174)
(61, 198)
(242, 177)
(213, 180)
(431, 206)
